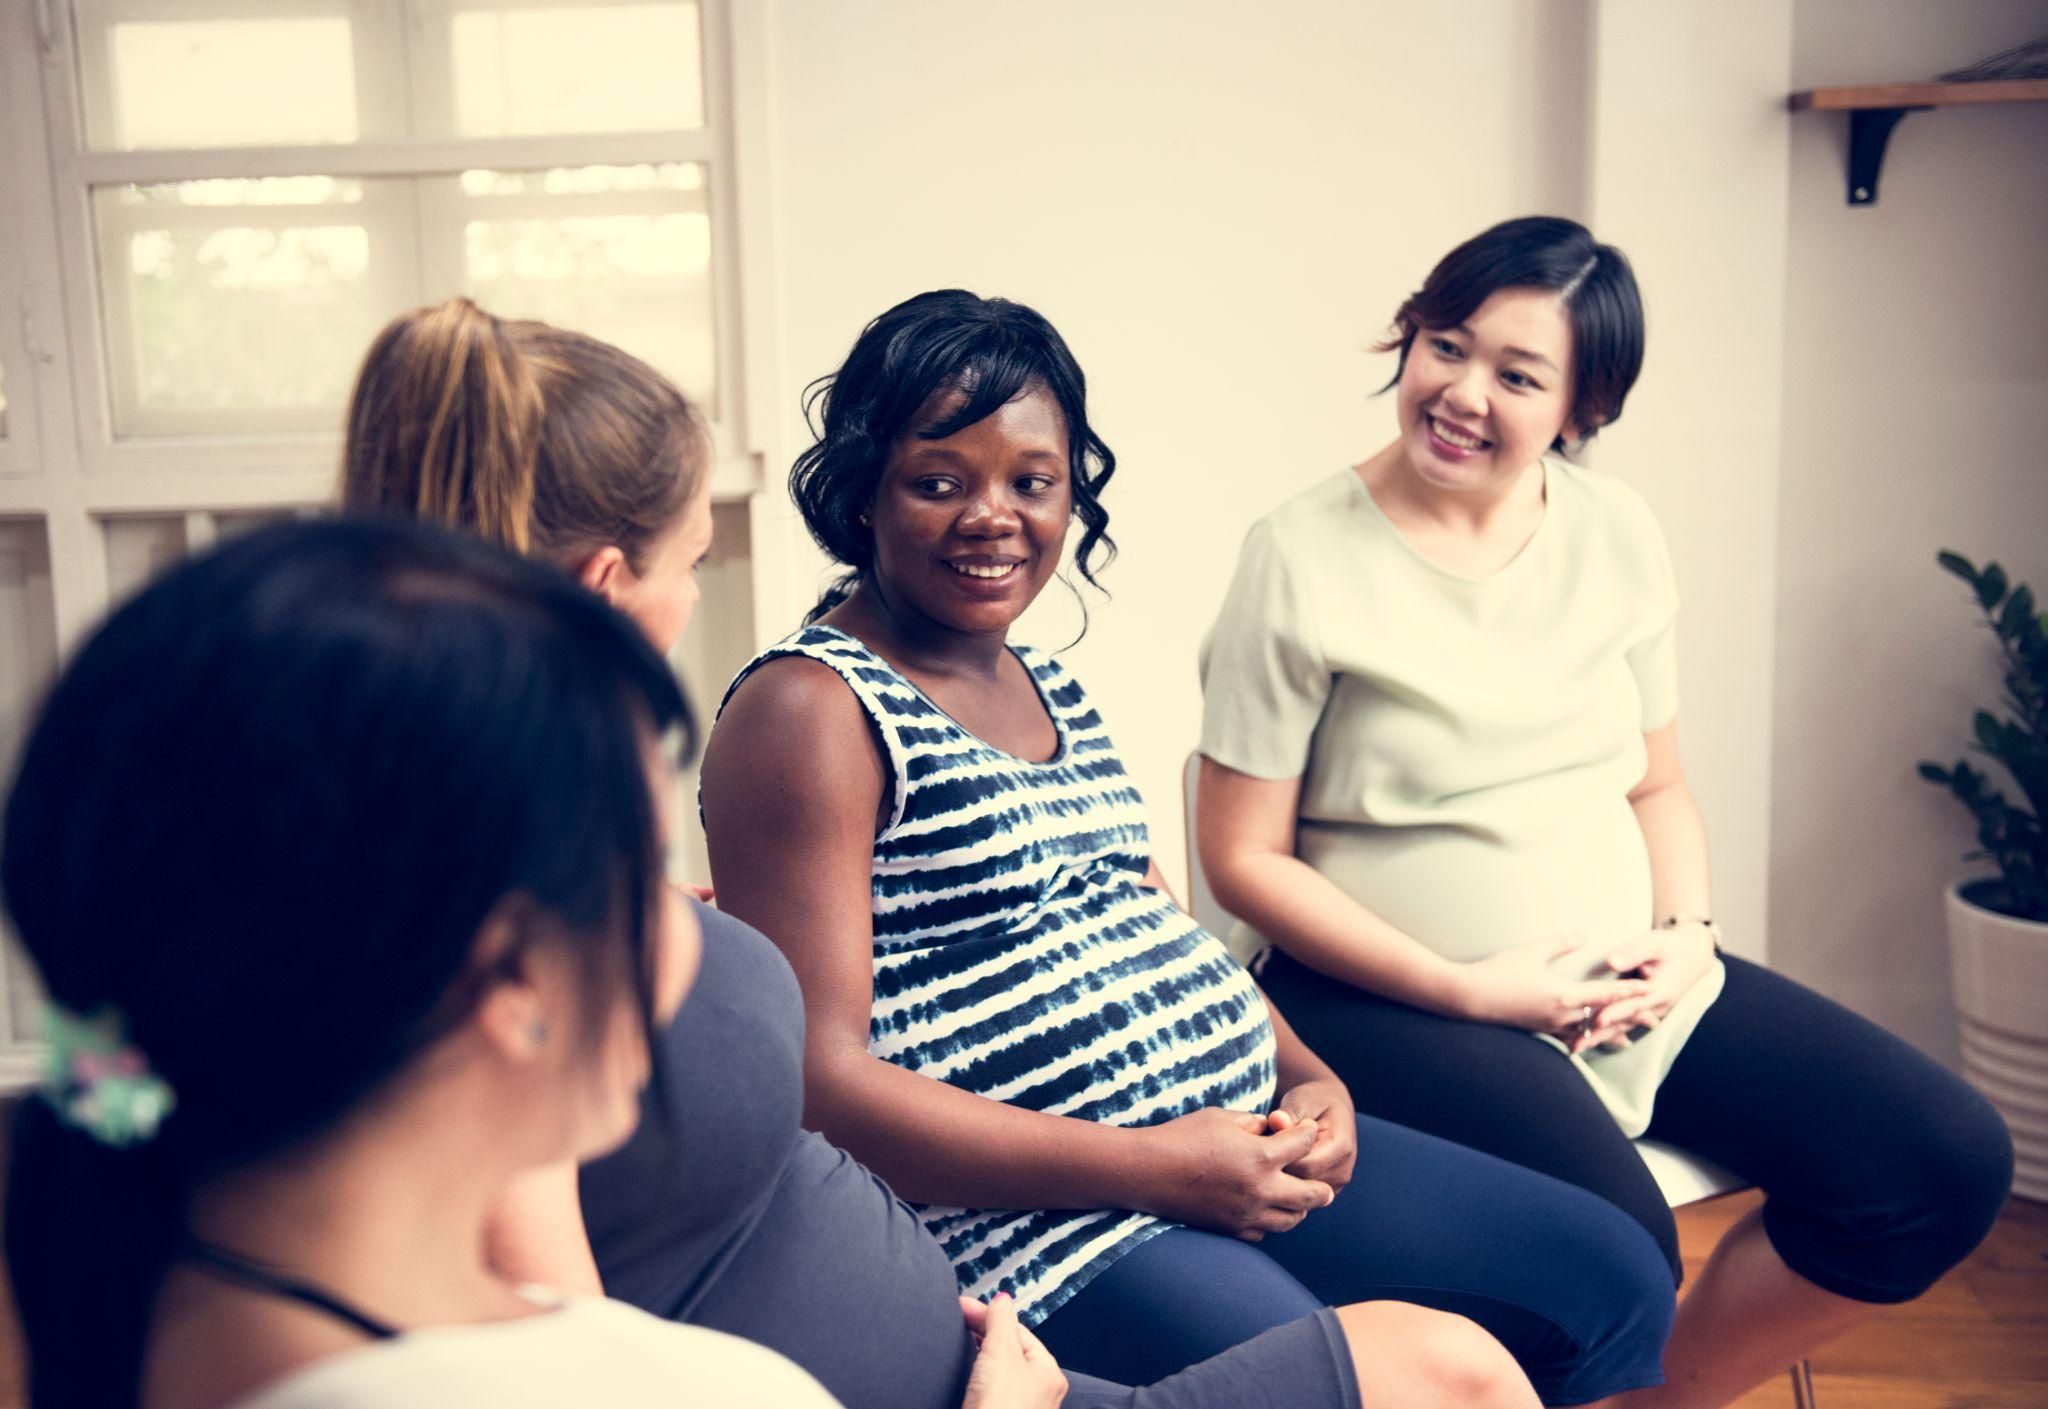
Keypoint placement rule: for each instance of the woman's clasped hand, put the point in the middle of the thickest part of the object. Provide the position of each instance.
(1235, 1172)
(1248, 1175)
(1670, 959)
(1521, 986)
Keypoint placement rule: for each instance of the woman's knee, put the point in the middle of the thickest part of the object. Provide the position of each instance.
(1410, 1355)
(1921, 1201)
(1645, 1207)
(1625, 1269)
(1970, 1159)
(1640, 1295)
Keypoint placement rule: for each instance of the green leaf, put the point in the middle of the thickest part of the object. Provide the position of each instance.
(1959, 565)
(1986, 729)
(1990, 586)
(2018, 613)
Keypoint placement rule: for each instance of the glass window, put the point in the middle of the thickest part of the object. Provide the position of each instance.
(520, 70)
(242, 305)
(154, 77)
(620, 252)
(245, 305)
(216, 73)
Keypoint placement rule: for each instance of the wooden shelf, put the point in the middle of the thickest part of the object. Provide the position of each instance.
(1874, 109)
(1920, 95)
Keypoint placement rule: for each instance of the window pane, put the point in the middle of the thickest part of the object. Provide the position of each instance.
(239, 73)
(154, 80)
(621, 253)
(519, 70)
(28, 656)
(139, 546)
(242, 307)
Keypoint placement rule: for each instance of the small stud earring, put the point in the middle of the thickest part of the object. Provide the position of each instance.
(863, 520)
(537, 1032)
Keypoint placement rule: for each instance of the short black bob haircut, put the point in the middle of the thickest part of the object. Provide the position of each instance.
(1594, 282)
(988, 349)
(262, 817)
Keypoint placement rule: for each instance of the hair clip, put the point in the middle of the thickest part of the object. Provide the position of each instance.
(97, 1081)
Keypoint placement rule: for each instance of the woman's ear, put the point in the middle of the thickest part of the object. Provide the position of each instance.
(512, 1015)
(1576, 436)
(605, 573)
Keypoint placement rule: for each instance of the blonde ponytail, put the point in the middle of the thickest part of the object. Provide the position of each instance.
(542, 440)
(445, 425)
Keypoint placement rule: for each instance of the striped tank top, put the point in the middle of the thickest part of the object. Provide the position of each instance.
(1017, 955)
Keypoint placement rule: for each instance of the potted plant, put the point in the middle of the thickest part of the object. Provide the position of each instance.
(1998, 924)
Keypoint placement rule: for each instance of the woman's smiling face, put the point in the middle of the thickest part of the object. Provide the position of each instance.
(1480, 402)
(970, 527)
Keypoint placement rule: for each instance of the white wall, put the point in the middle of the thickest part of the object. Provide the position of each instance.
(1687, 174)
(1916, 418)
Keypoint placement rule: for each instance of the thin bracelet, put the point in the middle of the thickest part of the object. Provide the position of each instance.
(1705, 922)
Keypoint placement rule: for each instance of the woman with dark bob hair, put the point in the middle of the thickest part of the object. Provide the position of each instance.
(1093, 1109)
(1441, 788)
(332, 847)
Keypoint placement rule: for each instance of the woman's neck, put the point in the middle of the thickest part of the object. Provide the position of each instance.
(387, 1213)
(911, 640)
(1478, 514)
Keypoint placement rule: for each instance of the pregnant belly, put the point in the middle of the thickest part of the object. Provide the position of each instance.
(1467, 896)
(843, 1279)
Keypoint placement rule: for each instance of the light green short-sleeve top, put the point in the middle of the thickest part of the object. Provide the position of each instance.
(1466, 747)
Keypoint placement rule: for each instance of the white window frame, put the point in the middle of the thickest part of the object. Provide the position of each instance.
(60, 461)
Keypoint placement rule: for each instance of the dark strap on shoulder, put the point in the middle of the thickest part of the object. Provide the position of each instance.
(256, 1277)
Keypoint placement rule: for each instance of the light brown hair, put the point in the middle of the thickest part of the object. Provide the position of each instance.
(540, 439)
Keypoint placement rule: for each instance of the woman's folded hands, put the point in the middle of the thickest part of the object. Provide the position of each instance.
(1225, 1170)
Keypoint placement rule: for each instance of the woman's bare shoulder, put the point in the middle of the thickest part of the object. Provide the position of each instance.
(792, 731)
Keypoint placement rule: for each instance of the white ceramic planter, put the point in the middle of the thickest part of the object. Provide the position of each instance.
(2001, 976)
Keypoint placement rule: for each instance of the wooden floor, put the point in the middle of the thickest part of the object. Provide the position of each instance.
(1979, 1340)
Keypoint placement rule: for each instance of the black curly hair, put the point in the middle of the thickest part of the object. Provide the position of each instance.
(988, 349)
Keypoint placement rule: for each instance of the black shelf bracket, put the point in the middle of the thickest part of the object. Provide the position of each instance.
(1870, 130)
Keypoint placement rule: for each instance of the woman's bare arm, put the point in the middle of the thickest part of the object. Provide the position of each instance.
(1245, 831)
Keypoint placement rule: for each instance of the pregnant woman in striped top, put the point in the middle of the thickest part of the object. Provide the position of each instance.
(1009, 1018)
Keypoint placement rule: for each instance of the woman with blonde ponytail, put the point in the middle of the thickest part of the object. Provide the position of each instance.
(548, 442)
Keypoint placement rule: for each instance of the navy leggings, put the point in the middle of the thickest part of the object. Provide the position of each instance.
(1571, 1286)
(1880, 1169)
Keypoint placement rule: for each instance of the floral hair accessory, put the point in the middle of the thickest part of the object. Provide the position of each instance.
(97, 1081)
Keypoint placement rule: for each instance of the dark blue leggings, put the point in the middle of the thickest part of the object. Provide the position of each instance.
(1573, 1288)
(1880, 1168)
